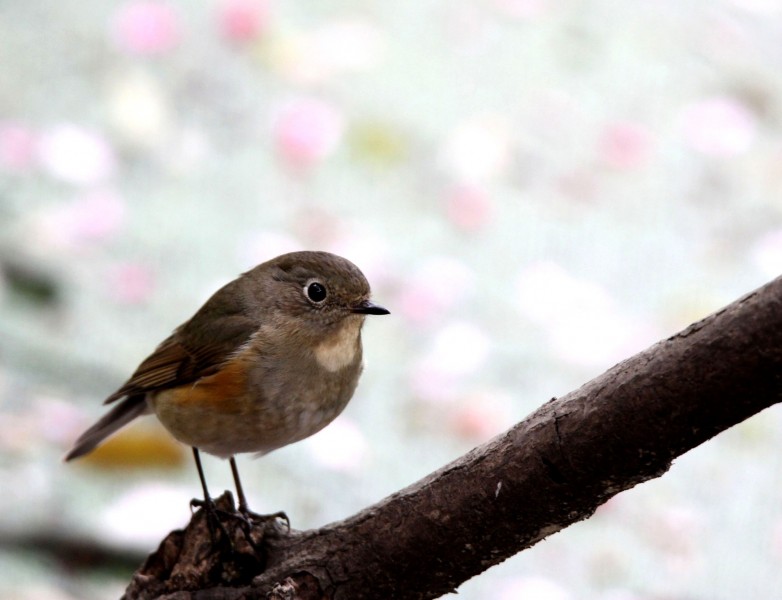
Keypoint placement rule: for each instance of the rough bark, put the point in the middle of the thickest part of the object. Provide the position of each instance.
(549, 471)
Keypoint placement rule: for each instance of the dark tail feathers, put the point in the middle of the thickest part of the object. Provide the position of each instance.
(119, 416)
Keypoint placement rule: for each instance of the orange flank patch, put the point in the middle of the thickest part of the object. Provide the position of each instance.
(223, 389)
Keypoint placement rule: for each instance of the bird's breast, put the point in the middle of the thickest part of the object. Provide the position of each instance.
(340, 349)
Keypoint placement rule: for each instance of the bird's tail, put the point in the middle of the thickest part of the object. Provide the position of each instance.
(119, 416)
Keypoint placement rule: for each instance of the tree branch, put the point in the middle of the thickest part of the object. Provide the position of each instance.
(549, 471)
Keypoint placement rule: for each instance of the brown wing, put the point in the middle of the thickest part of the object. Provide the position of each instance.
(194, 350)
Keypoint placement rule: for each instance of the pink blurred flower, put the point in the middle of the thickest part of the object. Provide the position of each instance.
(306, 131)
(243, 20)
(146, 28)
(469, 207)
(76, 155)
(98, 215)
(132, 283)
(481, 415)
(57, 419)
(433, 386)
(720, 126)
(93, 217)
(17, 147)
(677, 531)
(434, 288)
(625, 145)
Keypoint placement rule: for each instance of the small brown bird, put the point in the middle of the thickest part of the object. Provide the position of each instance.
(270, 359)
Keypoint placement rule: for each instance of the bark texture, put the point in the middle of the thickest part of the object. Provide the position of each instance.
(549, 471)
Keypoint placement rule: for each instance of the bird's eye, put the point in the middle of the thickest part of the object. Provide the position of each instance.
(316, 292)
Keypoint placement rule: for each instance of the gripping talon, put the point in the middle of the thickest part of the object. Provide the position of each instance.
(212, 518)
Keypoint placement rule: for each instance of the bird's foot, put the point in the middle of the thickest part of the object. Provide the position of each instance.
(213, 520)
(257, 527)
(251, 517)
(224, 521)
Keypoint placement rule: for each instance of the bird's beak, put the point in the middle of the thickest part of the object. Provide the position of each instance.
(367, 308)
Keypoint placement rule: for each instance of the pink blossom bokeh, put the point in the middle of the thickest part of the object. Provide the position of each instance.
(146, 28)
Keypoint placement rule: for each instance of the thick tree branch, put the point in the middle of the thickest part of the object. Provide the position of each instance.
(553, 469)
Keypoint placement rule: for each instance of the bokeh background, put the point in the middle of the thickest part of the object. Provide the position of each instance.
(535, 188)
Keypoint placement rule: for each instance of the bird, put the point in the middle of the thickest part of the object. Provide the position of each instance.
(271, 358)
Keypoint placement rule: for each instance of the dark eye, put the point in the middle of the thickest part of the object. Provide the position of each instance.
(316, 292)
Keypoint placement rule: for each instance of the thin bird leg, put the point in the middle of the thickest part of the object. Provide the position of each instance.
(197, 456)
(243, 508)
(212, 519)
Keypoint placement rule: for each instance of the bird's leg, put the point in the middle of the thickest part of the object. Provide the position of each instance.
(207, 503)
(207, 498)
(244, 509)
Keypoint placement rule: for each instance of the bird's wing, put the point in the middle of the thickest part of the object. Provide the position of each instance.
(196, 349)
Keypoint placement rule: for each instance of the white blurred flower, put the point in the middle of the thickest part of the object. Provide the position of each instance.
(265, 245)
(478, 149)
(546, 292)
(142, 515)
(720, 126)
(776, 538)
(139, 110)
(350, 44)
(524, 9)
(620, 594)
(583, 322)
(766, 254)
(367, 248)
(340, 446)
(760, 7)
(76, 155)
(459, 349)
(531, 588)
(337, 47)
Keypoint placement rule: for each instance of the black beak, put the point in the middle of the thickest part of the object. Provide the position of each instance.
(367, 308)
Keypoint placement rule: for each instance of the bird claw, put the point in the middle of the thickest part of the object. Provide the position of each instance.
(251, 517)
(251, 523)
(212, 517)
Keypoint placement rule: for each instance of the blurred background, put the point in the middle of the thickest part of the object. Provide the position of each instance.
(537, 189)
